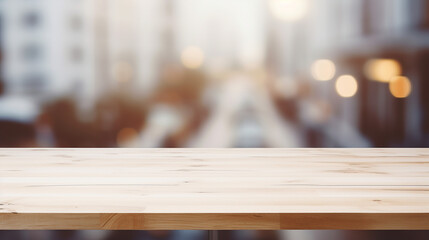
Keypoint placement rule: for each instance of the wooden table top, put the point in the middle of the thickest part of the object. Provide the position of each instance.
(214, 189)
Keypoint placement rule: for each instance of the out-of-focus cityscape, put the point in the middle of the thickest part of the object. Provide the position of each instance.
(214, 73)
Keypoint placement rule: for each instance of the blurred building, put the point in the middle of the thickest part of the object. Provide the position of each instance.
(351, 34)
(276, 73)
(47, 46)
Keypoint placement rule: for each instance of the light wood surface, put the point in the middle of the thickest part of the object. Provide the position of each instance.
(214, 189)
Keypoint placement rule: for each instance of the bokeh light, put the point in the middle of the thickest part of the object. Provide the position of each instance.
(382, 70)
(289, 10)
(323, 70)
(346, 86)
(400, 87)
(125, 136)
(192, 57)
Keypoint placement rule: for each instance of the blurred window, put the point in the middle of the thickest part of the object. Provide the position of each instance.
(31, 19)
(32, 52)
(76, 54)
(76, 23)
(34, 83)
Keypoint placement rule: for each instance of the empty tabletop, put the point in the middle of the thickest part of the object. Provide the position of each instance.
(214, 189)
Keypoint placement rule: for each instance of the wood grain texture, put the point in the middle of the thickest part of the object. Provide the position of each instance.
(214, 189)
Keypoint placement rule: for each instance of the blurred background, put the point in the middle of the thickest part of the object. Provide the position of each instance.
(214, 73)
